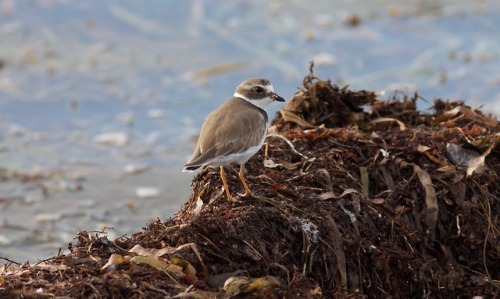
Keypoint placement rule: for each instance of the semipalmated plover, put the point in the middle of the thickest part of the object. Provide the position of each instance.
(235, 131)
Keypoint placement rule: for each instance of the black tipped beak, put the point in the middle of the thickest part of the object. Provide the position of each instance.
(277, 98)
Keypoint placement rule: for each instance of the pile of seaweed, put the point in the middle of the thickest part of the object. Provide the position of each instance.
(354, 197)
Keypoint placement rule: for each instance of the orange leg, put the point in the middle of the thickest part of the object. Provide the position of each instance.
(224, 182)
(248, 193)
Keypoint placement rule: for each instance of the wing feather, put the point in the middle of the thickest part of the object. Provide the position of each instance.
(229, 130)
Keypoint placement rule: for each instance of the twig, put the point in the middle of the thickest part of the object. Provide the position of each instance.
(279, 205)
(9, 260)
(291, 146)
(46, 260)
(98, 294)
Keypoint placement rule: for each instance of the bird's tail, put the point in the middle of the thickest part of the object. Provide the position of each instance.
(189, 168)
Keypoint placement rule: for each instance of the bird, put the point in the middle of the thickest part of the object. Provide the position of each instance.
(235, 131)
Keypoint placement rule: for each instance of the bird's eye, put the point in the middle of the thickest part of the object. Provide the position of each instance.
(258, 89)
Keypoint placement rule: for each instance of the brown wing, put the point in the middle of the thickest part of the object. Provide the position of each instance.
(232, 128)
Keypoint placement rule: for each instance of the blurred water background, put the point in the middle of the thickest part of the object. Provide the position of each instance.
(100, 100)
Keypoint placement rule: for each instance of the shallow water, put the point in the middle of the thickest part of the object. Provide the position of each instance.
(150, 72)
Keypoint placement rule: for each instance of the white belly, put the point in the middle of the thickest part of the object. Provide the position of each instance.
(239, 158)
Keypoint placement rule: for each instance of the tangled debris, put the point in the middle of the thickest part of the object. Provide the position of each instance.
(389, 202)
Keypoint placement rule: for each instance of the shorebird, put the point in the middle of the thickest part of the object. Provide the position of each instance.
(235, 131)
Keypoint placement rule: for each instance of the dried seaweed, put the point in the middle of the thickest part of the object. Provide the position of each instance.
(367, 203)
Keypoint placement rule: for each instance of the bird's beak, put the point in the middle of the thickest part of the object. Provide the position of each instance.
(276, 97)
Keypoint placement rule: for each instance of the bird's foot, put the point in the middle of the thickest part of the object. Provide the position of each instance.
(247, 194)
(233, 200)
